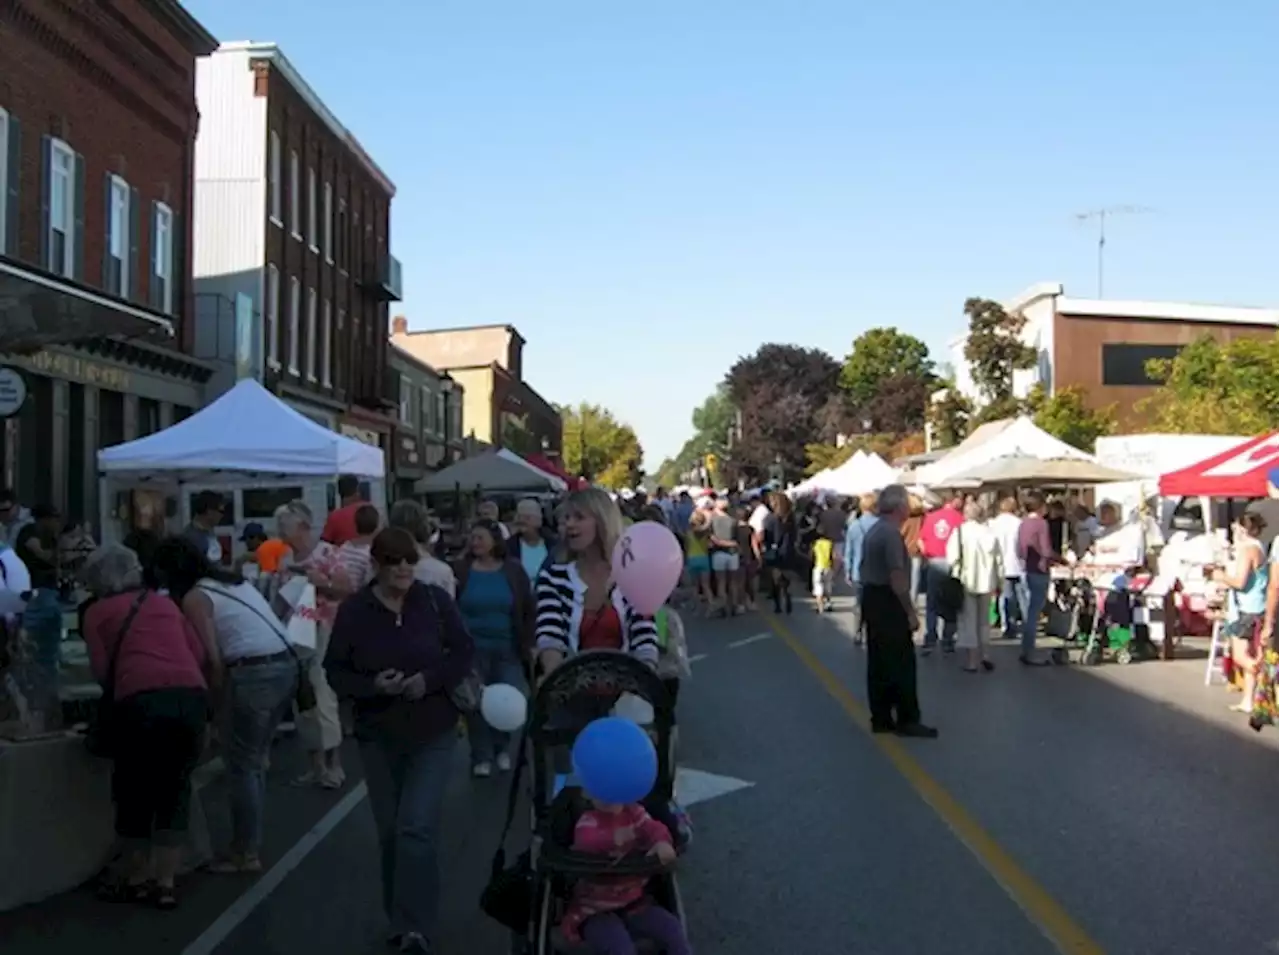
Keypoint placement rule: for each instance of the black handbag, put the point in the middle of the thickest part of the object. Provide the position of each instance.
(951, 590)
(508, 896)
(100, 736)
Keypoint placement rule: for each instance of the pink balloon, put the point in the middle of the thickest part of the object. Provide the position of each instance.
(646, 565)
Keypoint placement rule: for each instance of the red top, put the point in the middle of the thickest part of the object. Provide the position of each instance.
(936, 531)
(601, 629)
(341, 524)
(160, 650)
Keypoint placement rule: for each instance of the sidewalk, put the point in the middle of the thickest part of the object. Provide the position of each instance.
(78, 922)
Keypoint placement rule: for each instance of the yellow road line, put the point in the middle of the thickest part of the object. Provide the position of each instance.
(1040, 907)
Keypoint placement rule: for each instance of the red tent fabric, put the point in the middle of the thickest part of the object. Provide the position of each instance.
(1241, 471)
(544, 463)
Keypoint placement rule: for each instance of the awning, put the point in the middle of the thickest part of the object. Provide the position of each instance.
(1242, 471)
(39, 309)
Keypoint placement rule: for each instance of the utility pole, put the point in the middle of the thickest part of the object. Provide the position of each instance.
(1101, 215)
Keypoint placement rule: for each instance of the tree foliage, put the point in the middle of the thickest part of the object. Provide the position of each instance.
(995, 351)
(1067, 416)
(901, 405)
(780, 391)
(600, 447)
(879, 355)
(711, 422)
(1213, 388)
(950, 414)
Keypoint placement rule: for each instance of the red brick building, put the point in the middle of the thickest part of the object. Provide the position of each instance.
(295, 219)
(98, 121)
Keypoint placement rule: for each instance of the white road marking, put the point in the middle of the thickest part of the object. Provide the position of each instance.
(698, 656)
(243, 907)
(747, 641)
(694, 786)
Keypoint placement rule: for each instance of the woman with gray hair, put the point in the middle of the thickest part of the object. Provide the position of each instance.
(320, 729)
(151, 665)
(974, 553)
(430, 570)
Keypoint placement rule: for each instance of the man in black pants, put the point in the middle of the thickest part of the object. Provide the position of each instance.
(889, 616)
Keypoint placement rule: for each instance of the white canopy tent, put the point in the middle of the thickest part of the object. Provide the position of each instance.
(814, 485)
(1019, 437)
(861, 474)
(497, 471)
(247, 431)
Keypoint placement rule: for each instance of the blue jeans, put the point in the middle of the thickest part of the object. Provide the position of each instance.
(407, 783)
(257, 699)
(936, 571)
(1037, 593)
(493, 664)
(1013, 606)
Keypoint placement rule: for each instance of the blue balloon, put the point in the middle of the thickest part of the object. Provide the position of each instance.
(615, 761)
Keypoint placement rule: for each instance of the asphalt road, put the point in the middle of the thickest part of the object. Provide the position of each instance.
(1058, 812)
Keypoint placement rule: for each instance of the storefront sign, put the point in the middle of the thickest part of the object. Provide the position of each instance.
(408, 454)
(363, 435)
(80, 370)
(13, 391)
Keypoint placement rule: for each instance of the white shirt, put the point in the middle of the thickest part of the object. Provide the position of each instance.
(243, 622)
(436, 573)
(1121, 545)
(1005, 528)
(759, 519)
(973, 552)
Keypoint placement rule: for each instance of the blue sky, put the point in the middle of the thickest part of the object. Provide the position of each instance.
(649, 190)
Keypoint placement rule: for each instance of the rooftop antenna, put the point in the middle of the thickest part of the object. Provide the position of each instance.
(1101, 215)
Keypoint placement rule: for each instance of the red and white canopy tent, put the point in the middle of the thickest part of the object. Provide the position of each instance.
(1241, 471)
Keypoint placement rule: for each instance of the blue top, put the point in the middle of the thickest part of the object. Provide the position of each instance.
(853, 538)
(532, 557)
(488, 607)
(1252, 597)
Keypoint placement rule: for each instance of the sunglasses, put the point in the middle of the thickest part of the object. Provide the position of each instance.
(398, 560)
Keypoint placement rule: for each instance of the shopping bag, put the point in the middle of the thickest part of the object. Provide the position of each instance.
(301, 625)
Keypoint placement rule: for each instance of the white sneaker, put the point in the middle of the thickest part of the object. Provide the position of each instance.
(482, 770)
(504, 763)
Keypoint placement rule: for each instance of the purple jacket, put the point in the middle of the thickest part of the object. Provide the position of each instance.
(427, 637)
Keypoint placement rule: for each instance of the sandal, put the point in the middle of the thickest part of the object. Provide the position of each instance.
(118, 891)
(235, 865)
(164, 897)
(308, 779)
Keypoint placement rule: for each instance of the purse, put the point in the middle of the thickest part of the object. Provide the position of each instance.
(951, 588)
(508, 895)
(304, 697)
(100, 736)
(467, 694)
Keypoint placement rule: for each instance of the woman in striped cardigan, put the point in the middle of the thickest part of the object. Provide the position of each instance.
(579, 608)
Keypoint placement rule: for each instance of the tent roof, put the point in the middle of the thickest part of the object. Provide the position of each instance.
(1240, 471)
(499, 470)
(1017, 436)
(1025, 469)
(248, 430)
(860, 474)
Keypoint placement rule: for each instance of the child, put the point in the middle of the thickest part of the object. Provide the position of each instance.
(673, 651)
(608, 913)
(823, 572)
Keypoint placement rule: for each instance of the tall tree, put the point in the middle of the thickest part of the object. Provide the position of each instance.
(779, 391)
(1211, 388)
(900, 406)
(1067, 416)
(949, 416)
(994, 350)
(879, 355)
(600, 447)
(711, 423)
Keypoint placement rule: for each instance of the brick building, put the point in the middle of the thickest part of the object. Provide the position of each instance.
(97, 135)
(294, 225)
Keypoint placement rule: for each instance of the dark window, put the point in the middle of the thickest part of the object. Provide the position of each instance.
(1127, 364)
(260, 504)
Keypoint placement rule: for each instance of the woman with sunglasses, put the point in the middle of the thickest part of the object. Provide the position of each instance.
(397, 649)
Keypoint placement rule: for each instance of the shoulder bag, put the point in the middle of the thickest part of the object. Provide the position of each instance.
(466, 695)
(100, 737)
(305, 695)
(951, 588)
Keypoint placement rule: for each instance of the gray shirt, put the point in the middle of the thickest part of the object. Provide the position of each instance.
(883, 552)
(724, 527)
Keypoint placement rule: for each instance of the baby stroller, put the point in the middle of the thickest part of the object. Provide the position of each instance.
(1116, 627)
(1070, 617)
(530, 897)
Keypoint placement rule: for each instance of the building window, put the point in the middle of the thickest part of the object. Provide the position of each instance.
(428, 410)
(340, 333)
(442, 409)
(271, 317)
(326, 344)
(295, 305)
(8, 243)
(162, 258)
(295, 196)
(62, 209)
(115, 258)
(1126, 364)
(342, 234)
(313, 229)
(406, 401)
(328, 222)
(311, 334)
(273, 177)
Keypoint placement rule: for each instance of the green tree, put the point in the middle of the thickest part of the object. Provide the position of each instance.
(711, 423)
(994, 350)
(600, 447)
(1067, 416)
(1213, 388)
(881, 354)
(949, 415)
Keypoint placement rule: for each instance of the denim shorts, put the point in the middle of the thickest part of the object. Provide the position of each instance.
(698, 565)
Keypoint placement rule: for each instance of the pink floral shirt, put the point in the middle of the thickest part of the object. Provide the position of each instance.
(323, 559)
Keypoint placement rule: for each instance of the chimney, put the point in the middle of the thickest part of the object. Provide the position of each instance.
(399, 325)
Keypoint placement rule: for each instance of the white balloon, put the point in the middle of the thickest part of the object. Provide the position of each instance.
(504, 707)
(634, 709)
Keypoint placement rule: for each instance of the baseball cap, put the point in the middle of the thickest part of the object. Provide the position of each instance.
(253, 529)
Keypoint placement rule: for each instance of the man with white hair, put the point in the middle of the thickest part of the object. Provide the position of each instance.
(532, 545)
(890, 620)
